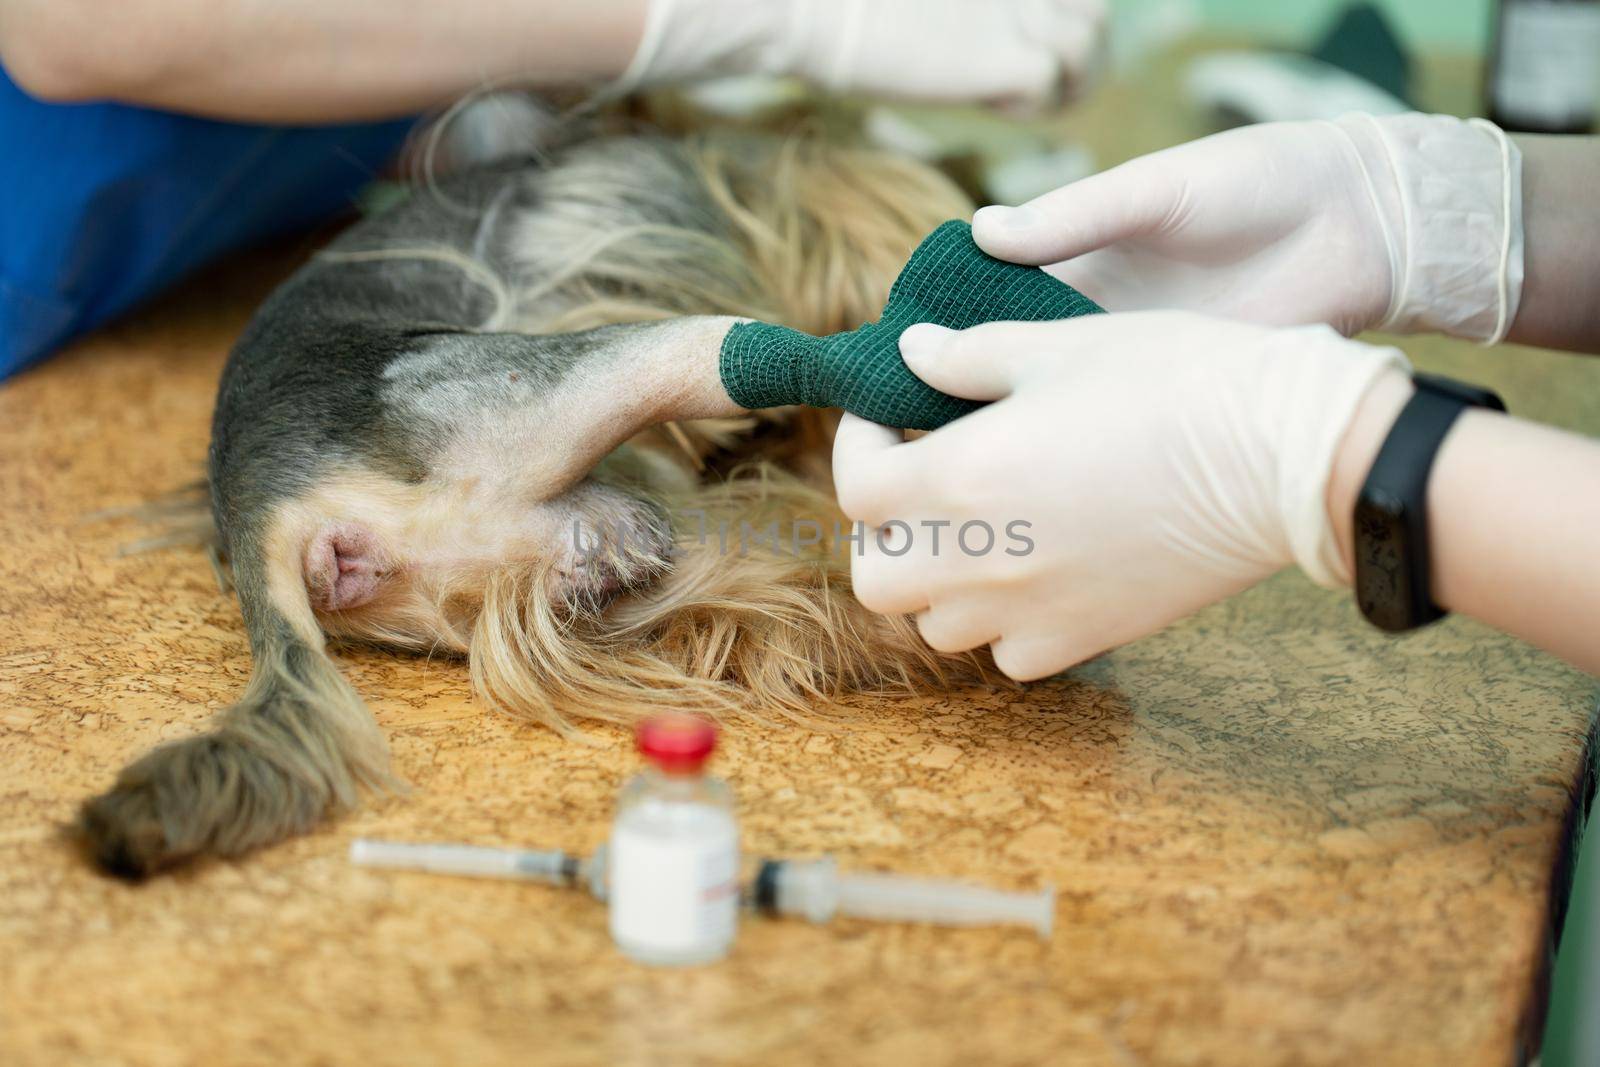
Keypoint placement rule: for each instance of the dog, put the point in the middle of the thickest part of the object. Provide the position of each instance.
(415, 430)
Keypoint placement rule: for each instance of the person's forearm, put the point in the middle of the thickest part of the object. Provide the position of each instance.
(1514, 510)
(1561, 244)
(1513, 517)
(310, 60)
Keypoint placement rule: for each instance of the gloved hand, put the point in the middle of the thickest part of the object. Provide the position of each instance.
(997, 51)
(1134, 469)
(1408, 223)
(946, 281)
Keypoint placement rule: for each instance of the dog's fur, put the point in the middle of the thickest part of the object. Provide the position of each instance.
(409, 429)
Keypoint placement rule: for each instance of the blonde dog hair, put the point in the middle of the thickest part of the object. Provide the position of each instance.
(815, 235)
(786, 230)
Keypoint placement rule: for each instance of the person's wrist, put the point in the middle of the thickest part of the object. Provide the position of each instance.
(1373, 305)
(1373, 419)
(1447, 193)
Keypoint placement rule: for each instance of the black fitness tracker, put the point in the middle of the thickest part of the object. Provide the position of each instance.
(1392, 578)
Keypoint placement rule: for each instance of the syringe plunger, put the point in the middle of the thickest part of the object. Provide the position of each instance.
(817, 890)
(554, 867)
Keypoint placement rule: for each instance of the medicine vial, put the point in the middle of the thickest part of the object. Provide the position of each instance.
(673, 859)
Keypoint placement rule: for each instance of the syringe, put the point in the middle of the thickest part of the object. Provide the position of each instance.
(817, 890)
(552, 867)
(812, 889)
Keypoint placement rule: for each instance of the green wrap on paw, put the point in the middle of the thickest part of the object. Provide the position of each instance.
(948, 281)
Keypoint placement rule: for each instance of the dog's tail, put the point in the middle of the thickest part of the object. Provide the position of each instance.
(297, 746)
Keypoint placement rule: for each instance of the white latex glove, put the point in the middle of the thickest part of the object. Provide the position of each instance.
(1162, 461)
(997, 51)
(1408, 223)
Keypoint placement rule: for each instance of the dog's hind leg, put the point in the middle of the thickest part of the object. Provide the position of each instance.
(489, 441)
(297, 746)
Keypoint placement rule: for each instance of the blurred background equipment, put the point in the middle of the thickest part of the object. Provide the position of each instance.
(1544, 66)
(1358, 65)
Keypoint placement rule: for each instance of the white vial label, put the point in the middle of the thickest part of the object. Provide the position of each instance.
(674, 882)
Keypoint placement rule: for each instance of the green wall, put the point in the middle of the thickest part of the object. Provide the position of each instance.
(1444, 25)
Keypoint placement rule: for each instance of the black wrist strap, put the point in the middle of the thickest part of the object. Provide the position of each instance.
(1392, 547)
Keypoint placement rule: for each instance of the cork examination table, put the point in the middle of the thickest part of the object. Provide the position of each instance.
(1279, 836)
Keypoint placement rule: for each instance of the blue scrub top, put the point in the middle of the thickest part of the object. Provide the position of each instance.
(103, 205)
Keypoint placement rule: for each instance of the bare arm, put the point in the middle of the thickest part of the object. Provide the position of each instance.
(1561, 253)
(1514, 516)
(309, 60)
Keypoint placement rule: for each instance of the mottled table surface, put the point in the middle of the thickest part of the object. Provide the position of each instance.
(1279, 837)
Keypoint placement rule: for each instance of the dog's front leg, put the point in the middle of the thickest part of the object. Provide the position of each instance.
(551, 406)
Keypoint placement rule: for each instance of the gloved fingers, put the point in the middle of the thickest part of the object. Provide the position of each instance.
(1074, 31)
(1069, 25)
(1059, 68)
(1039, 81)
(1132, 200)
(1017, 55)
(875, 473)
(956, 627)
(986, 362)
(953, 363)
(1029, 657)
(974, 364)
(891, 572)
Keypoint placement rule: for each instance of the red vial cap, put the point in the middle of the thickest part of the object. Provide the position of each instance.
(677, 743)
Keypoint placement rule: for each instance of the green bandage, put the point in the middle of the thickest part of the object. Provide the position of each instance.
(948, 281)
